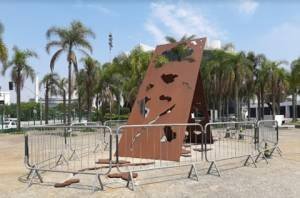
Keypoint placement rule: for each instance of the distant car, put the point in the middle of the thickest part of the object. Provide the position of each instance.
(9, 125)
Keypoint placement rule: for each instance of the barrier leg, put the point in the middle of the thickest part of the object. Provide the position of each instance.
(96, 148)
(193, 168)
(213, 165)
(263, 157)
(72, 156)
(277, 149)
(61, 157)
(97, 180)
(33, 175)
(131, 179)
(247, 160)
(30, 172)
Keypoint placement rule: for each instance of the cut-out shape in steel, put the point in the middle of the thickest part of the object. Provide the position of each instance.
(143, 109)
(168, 78)
(169, 110)
(169, 133)
(167, 98)
(134, 138)
(149, 86)
(147, 99)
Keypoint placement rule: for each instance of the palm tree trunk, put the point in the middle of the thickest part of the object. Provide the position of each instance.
(64, 106)
(236, 97)
(69, 93)
(294, 101)
(227, 106)
(220, 108)
(79, 107)
(46, 104)
(273, 98)
(273, 107)
(18, 106)
(258, 106)
(262, 102)
(249, 108)
(88, 105)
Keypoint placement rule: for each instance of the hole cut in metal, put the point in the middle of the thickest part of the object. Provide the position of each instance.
(167, 98)
(169, 134)
(149, 86)
(168, 78)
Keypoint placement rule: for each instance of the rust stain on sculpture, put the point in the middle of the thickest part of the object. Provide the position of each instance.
(168, 94)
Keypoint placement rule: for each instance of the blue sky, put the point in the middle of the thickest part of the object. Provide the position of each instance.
(269, 27)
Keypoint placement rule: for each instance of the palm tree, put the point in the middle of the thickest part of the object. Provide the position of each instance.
(184, 38)
(89, 74)
(240, 67)
(277, 76)
(281, 88)
(68, 40)
(253, 83)
(259, 73)
(262, 78)
(80, 90)
(50, 83)
(62, 90)
(294, 81)
(3, 49)
(217, 73)
(20, 71)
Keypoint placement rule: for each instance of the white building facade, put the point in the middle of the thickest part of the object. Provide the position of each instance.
(5, 97)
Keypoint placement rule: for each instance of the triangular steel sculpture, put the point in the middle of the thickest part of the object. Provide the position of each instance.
(168, 94)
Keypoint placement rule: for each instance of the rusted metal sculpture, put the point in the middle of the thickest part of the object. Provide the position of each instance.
(170, 92)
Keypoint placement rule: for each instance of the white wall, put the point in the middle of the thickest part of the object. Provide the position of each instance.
(5, 95)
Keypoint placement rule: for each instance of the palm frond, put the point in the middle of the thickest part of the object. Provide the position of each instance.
(30, 53)
(3, 52)
(77, 26)
(84, 53)
(1, 28)
(55, 31)
(187, 38)
(52, 44)
(84, 44)
(170, 39)
(54, 58)
(28, 71)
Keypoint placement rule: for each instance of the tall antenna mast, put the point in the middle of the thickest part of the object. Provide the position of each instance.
(110, 43)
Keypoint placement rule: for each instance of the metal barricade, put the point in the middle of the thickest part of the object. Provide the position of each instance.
(114, 124)
(89, 149)
(68, 149)
(189, 135)
(230, 140)
(268, 137)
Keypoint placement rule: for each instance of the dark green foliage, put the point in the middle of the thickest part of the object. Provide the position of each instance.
(178, 53)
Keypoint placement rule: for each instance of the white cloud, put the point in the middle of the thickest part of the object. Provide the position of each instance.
(248, 6)
(177, 20)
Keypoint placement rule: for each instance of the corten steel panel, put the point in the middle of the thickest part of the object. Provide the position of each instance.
(185, 92)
